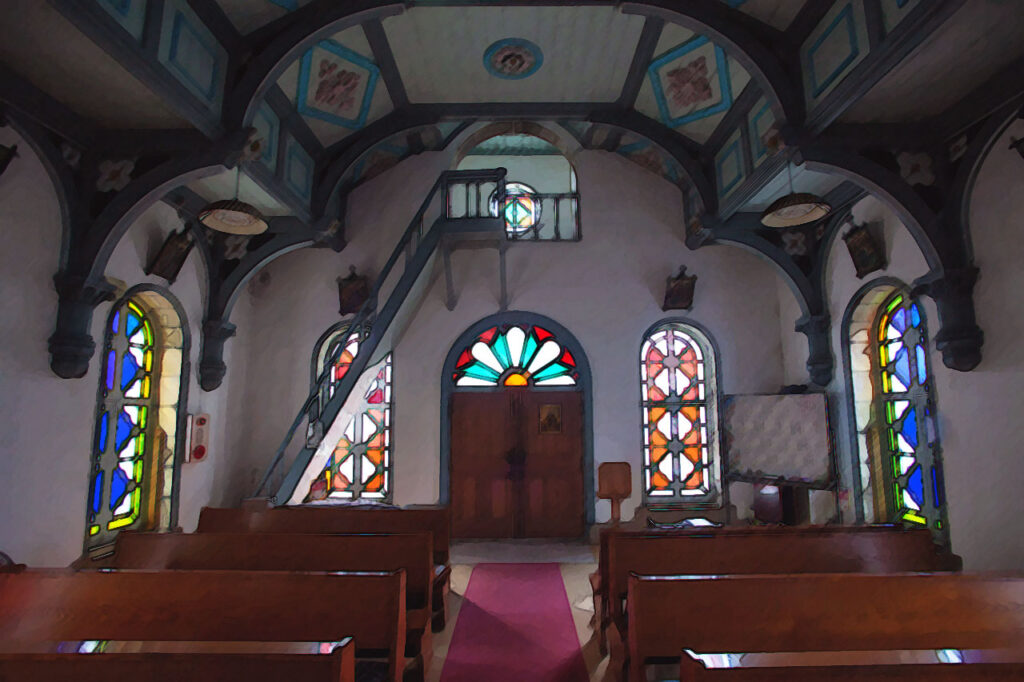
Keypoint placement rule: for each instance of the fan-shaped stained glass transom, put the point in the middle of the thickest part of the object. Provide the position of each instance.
(360, 465)
(516, 355)
(678, 403)
(905, 401)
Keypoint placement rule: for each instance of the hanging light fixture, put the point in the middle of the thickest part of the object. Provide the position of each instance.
(796, 208)
(233, 215)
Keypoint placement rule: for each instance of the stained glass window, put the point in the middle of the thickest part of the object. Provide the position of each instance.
(344, 359)
(904, 399)
(679, 413)
(360, 465)
(521, 208)
(516, 355)
(122, 468)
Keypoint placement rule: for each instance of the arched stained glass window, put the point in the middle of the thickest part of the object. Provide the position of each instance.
(360, 465)
(680, 411)
(905, 410)
(132, 473)
(516, 355)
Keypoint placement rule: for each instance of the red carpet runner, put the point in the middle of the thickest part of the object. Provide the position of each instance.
(515, 626)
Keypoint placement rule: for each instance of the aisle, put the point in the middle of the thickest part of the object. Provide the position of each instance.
(514, 625)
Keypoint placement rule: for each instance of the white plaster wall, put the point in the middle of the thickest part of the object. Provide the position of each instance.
(546, 174)
(979, 411)
(607, 290)
(46, 423)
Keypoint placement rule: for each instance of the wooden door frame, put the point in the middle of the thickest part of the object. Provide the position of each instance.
(584, 385)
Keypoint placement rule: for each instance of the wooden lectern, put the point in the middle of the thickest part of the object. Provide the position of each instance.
(615, 483)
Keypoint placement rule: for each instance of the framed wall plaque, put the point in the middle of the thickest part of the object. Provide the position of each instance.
(550, 420)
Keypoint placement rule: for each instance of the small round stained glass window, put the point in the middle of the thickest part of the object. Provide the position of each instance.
(521, 209)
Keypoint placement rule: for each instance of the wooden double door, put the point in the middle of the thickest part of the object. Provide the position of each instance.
(517, 464)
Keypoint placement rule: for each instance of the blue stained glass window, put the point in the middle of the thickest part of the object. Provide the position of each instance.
(124, 430)
(915, 486)
(913, 458)
(902, 368)
(129, 370)
(909, 428)
(101, 435)
(115, 322)
(118, 486)
(899, 320)
(111, 368)
(97, 492)
(134, 322)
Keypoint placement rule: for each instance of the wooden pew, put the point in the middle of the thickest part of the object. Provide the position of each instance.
(742, 550)
(328, 519)
(61, 605)
(820, 613)
(339, 666)
(411, 552)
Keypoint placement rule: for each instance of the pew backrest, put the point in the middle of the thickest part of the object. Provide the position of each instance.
(411, 552)
(333, 519)
(52, 605)
(339, 666)
(823, 612)
(833, 549)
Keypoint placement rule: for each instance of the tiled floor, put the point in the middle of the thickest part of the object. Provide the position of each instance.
(577, 561)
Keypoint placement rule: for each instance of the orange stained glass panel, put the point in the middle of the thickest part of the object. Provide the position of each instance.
(659, 481)
(516, 379)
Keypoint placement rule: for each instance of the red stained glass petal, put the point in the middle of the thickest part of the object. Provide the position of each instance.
(567, 359)
(464, 359)
(488, 335)
(542, 333)
(376, 398)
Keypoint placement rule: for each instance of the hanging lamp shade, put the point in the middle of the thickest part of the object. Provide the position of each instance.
(799, 208)
(234, 217)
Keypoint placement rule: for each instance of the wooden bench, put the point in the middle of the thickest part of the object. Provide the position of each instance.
(411, 552)
(346, 519)
(62, 605)
(339, 666)
(742, 550)
(796, 614)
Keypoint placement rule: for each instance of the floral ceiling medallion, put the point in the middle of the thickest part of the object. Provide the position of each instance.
(513, 59)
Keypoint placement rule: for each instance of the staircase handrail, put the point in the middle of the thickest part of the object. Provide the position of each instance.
(445, 180)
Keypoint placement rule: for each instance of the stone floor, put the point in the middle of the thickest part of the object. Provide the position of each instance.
(577, 561)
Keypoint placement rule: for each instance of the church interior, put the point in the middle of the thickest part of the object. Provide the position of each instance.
(502, 340)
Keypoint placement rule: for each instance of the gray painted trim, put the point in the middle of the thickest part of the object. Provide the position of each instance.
(567, 339)
(182, 406)
(385, 59)
(735, 117)
(645, 48)
(292, 121)
(20, 94)
(723, 459)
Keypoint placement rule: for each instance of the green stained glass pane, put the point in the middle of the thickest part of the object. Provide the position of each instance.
(529, 349)
(501, 351)
(479, 370)
(553, 370)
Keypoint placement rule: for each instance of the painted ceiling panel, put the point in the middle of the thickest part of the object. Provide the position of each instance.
(50, 51)
(336, 86)
(686, 86)
(961, 55)
(586, 52)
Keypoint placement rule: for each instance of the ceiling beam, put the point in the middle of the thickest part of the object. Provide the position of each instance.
(340, 156)
(642, 58)
(19, 94)
(385, 59)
